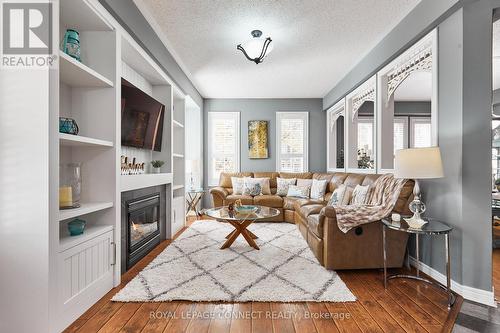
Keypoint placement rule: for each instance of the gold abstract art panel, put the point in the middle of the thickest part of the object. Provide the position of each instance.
(257, 139)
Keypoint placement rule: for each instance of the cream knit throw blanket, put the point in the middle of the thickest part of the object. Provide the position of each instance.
(380, 203)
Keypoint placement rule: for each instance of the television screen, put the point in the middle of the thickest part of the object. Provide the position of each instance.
(142, 118)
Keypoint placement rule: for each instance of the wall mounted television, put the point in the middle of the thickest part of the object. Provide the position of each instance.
(142, 118)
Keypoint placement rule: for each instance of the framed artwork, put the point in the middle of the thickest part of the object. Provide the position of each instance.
(257, 139)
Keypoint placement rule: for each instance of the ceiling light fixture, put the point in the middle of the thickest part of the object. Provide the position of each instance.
(257, 48)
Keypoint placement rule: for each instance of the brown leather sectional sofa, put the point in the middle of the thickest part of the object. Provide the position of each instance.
(359, 248)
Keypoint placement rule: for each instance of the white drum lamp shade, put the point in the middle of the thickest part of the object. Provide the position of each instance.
(419, 163)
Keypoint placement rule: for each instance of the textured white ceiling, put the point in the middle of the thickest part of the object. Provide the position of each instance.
(316, 42)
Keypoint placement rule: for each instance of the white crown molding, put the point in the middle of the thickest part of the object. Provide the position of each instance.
(168, 45)
(469, 293)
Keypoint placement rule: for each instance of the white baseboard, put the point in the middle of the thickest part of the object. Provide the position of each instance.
(469, 293)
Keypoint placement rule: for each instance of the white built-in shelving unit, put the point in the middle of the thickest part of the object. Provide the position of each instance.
(178, 162)
(84, 268)
(86, 91)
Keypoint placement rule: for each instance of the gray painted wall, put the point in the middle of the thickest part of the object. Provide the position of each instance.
(265, 109)
(463, 197)
(129, 16)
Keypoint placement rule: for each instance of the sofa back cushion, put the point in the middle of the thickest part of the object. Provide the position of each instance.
(225, 178)
(338, 179)
(298, 175)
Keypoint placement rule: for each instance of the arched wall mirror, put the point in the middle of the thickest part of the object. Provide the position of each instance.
(361, 122)
(407, 101)
(335, 130)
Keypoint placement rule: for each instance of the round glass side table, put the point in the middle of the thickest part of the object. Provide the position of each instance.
(432, 228)
(193, 197)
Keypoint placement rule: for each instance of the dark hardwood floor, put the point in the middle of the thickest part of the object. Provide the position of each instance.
(496, 273)
(405, 306)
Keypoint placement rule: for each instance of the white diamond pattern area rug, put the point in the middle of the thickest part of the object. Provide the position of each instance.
(194, 268)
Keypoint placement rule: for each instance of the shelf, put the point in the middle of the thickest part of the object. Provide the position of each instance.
(80, 15)
(134, 182)
(135, 57)
(91, 231)
(177, 187)
(177, 124)
(86, 208)
(77, 74)
(177, 155)
(82, 141)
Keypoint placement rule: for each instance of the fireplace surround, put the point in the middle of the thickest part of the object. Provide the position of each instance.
(143, 223)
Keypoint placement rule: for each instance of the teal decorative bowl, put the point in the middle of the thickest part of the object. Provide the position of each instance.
(76, 227)
(246, 209)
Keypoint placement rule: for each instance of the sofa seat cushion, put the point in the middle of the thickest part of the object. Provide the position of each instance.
(297, 205)
(288, 202)
(306, 211)
(274, 201)
(315, 224)
(245, 199)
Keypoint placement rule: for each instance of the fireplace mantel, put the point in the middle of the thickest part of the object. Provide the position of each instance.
(135, 182)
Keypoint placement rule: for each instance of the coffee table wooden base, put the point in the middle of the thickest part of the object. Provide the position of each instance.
(240, 228)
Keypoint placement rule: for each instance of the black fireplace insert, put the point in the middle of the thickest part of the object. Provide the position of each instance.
(143, 227)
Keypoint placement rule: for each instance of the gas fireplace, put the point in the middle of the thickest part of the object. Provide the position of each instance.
(142, 225)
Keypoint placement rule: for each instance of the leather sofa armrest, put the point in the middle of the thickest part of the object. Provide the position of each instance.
(329, 211)
(219, 194)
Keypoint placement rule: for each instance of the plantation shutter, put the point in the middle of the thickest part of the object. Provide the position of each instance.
(292, 141)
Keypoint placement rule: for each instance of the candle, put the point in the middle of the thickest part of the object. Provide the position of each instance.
(65, 196)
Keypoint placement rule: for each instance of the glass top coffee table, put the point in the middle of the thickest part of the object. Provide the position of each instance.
(240, 222)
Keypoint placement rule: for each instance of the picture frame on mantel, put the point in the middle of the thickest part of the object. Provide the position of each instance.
(258, 139)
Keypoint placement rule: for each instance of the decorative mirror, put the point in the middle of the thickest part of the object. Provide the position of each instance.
(335, 123)
(408, 101)
(360, 104)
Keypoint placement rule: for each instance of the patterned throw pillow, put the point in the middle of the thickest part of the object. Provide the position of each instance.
(359, 194)
(298, 191)
(283, 184)
(318, 189)
(252, 187)
(265, 184)
(338, 196)
(238, 185)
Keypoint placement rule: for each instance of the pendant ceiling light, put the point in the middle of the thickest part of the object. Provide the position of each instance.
(257, 48)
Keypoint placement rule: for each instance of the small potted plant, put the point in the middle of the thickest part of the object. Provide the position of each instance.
(497, 184)
(157, 165)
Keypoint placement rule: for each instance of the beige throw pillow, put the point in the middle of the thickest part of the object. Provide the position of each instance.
(238, 185)
(265, 184)
(256, 186)
(283, 184)
(338, 196)
(359, 195)
(318, 189)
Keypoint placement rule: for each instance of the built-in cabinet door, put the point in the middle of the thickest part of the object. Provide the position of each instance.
(179, 214)
(85, 275)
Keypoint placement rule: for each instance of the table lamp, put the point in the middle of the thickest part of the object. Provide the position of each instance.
(418, 163)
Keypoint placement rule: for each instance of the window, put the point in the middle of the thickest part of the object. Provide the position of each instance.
(223, 144)
(365, 134)
(421, 132)
(292, 131)
(400, 133)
